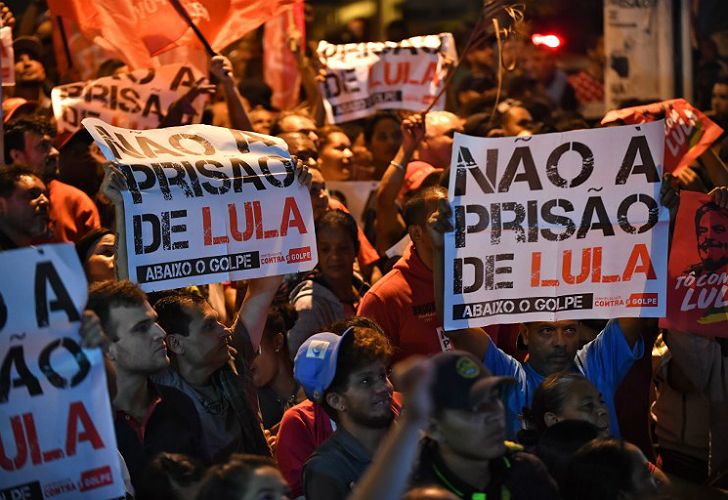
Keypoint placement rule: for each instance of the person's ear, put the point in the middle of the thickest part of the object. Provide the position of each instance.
(415, 233)
(111, 353)
(523, 333)
(278, 341)
(434, 431)
(335, 401)
(174, 344)
(17, 156)
(550, 418)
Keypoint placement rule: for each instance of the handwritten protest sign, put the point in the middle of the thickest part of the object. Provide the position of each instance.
(7, 56)
(137, 100)
(697, 289)
(56, 429)
(208, 204)
(556, 226)
(361, 78)
(688, 132)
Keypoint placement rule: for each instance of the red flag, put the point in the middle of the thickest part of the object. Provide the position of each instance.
(281, 71)
(688, 132)
(140, 29)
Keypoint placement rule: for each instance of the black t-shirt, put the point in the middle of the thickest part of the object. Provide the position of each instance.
(516, 476)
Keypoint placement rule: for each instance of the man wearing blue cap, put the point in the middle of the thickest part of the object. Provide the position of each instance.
(347, 376)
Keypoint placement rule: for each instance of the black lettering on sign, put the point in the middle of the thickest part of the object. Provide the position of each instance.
(27, 491)
(15, 358)
(587, 164)
(638, 144)
(46, 274)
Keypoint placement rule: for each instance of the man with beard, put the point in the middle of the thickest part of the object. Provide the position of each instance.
(464, 449)
(73, 213)
(347, 375)
(24, 209)
(211, 364)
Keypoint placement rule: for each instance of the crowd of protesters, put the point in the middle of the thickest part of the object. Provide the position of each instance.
(283, 386)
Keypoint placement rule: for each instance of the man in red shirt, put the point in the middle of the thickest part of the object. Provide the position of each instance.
(72, 212)
(403, 301)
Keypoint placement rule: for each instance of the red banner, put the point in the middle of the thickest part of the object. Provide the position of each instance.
(688, 132)
(697, 300)
(281, 71)
(138, 30)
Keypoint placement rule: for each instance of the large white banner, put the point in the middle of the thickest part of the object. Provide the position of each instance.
(136, 100)
(557, 226)
(56, 431)
(208, 204)
(361, 78)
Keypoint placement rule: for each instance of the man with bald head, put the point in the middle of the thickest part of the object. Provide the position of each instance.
(295, 122)
(436, 146)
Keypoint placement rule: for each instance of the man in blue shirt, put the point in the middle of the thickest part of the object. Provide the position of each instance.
(554, 347)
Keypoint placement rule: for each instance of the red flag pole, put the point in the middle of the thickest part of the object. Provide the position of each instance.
(183, 12)
(64, 40)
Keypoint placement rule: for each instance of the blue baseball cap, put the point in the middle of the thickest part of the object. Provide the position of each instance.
(315, 364)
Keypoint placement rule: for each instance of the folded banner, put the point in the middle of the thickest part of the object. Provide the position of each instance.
(208, 204)
(7, 57)
(56, 432)
(137, 100)
(697, 297)
(557, 226)
(688, 132)
(361, 78)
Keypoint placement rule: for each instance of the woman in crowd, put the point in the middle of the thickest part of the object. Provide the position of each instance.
(333, 290)
(610, 469)
(96, 251)
(564, 396)
(382, 138)
(272, 369)
(244, 477)
(334, 155)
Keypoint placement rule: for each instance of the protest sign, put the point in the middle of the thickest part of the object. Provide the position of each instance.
(7, 56)
(361, 78)
(688, 132)
(208, 204)
(137, 100)
(56, 431)
(557, 226)
(697, 289)
(356, 195)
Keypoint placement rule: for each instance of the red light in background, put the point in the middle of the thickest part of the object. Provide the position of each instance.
(552, 41)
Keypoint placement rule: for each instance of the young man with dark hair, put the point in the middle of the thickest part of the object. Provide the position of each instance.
(211, 365)
(403, 301)
(24, 209)
(28, 144)
(465, 449)
(347, 376)
(307, 425)
(149, 418)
